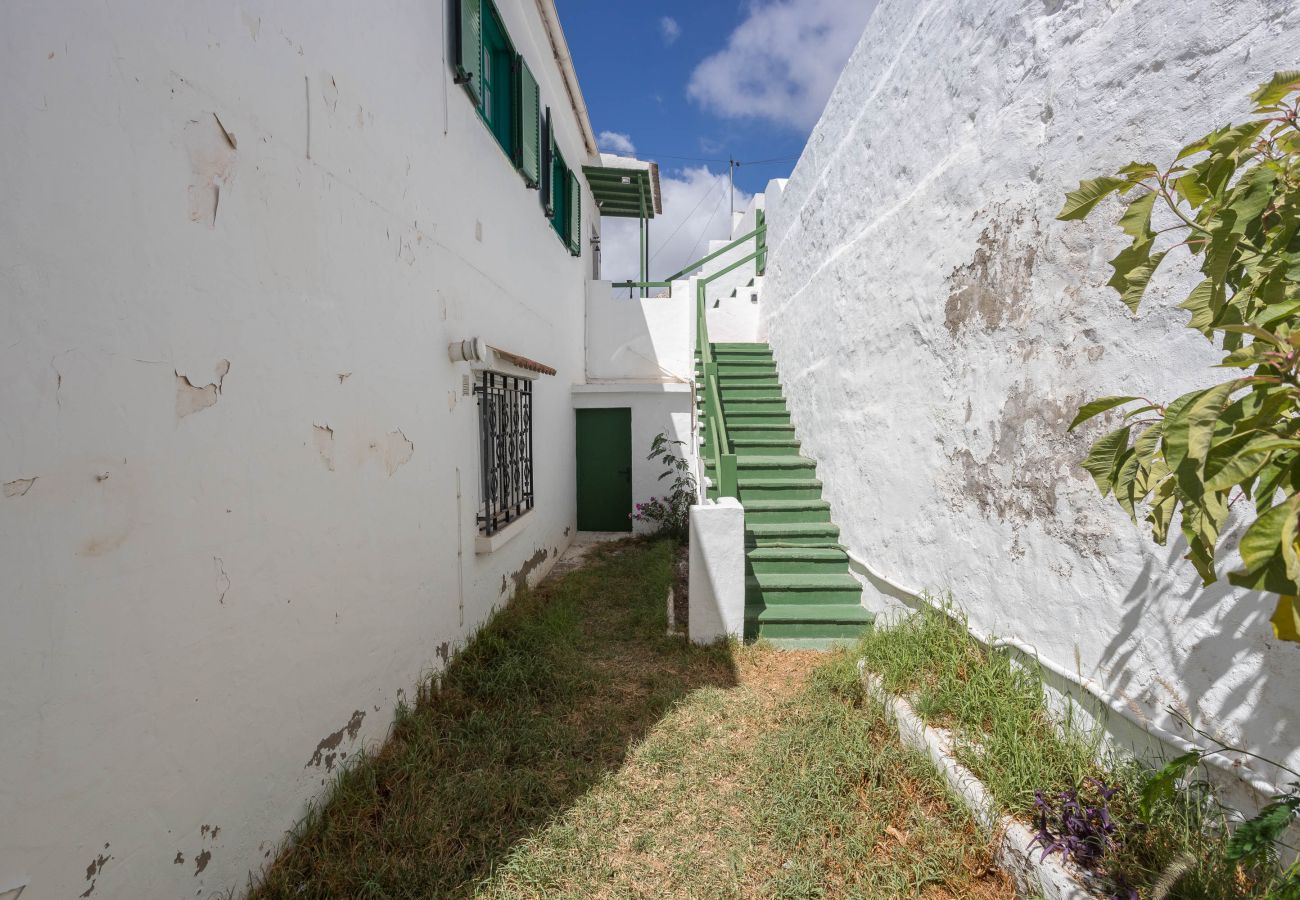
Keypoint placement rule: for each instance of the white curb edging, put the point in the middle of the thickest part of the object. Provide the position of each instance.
(1048, 878)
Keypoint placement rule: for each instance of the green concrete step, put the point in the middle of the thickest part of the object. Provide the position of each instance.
(749, 407)
(734, 349)
(740, 420)
(761, 433)
(778, 489)
(726, 378)
(746, 446)
(778, 511)
(736, 394)
(802, 588)
(731, 356)
(730, 387)
(821, 645)
(747, 368)
(765, 446)
(806, 620)
(766, 534)
(796, 560)
(774, 466)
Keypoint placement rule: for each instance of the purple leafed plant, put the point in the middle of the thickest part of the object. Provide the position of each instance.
(1081, 832)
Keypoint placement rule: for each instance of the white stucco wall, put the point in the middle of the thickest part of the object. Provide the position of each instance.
(936, 329)
(217, 586)
(639, 339)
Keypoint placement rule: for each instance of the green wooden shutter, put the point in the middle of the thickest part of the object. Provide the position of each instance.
(548, 167)
(469, 47)
(575, 215)
(530, 126)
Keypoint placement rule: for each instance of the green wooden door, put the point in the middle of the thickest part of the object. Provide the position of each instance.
(604, 469)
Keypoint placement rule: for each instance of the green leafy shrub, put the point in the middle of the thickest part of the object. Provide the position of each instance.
(1233, 198)
(671, 512)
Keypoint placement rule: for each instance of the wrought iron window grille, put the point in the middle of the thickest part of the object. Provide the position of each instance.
(505, 405)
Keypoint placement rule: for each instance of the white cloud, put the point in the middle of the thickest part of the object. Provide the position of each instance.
(696, 210)
(782, 61)
(670, 30)
(616, 142)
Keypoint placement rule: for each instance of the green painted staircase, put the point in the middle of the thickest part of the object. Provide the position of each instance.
(798, 590)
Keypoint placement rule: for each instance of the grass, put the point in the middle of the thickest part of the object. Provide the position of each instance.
(573, 749)
(1007, 737)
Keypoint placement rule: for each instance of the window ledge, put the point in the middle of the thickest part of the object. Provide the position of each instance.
(490, 543)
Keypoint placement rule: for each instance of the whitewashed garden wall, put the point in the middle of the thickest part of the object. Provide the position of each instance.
(936, 330)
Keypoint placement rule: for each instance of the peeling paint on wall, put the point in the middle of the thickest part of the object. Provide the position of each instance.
(521, 576)
(323, 438)
(395, 449)
(191, 398)
(201, 861)
(212, 167)
(326, 750)
(94, 869)
(993, 289)
(19, 486)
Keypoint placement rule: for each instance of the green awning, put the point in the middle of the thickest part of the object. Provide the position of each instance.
(625, 192)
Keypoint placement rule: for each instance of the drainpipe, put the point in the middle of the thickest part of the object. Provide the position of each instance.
(560, 50)
(914, 598)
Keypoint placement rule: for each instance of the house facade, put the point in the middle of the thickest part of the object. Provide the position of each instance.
(294, 334)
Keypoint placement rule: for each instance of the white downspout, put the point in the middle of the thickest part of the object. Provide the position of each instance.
(560, 50)
(915, 598)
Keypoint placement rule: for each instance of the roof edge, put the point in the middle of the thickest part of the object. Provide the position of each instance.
(560, 50)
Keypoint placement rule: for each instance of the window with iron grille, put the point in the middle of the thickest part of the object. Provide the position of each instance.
(505, 416)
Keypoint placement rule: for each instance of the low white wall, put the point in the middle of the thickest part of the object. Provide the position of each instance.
(656, 409)
(636, 339)
(936, 330)
(737, 319)
(735, 280)
(234, 245)
(717, 571)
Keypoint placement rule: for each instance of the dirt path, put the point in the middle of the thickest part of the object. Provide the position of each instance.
(574, 749)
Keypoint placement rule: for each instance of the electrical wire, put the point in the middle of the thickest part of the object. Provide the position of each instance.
(707, 223)
(705, 196)
(707, 159)
(759, 162)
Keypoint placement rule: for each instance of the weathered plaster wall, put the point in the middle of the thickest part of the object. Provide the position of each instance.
(936, 329)
(639, 339)
(235, 242)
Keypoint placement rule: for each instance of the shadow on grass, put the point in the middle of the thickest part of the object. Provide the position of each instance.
(545, 701)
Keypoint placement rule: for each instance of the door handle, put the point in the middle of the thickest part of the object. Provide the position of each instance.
(627, 472)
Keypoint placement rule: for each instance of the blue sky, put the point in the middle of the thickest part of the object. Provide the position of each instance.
(689, 84)
(635, 76)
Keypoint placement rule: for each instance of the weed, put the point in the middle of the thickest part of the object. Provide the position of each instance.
(575, 750)
(1055, 773)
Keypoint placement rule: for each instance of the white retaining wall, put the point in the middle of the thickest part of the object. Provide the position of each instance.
(936, 330)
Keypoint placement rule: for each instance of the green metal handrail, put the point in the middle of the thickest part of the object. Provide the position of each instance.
(724, 455)
(759, 234)
(633, 285)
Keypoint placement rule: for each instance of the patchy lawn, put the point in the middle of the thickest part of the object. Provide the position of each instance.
(573, 749)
